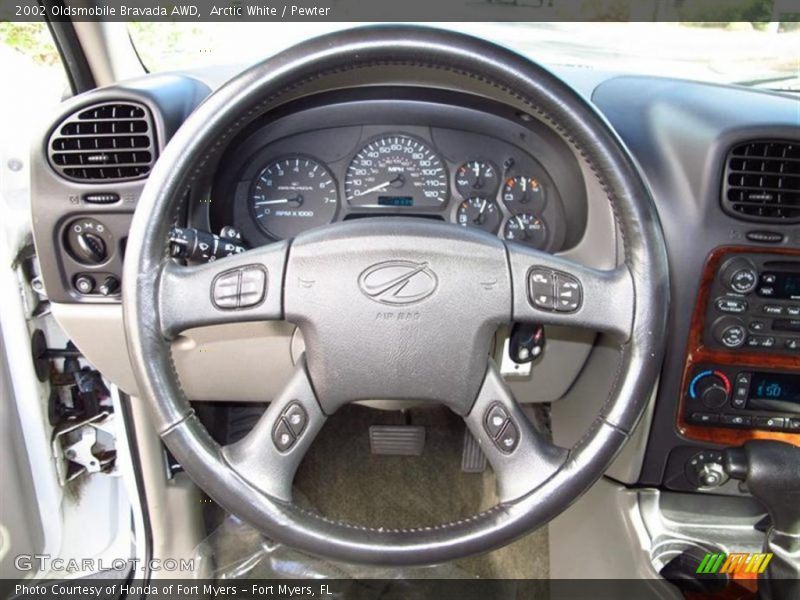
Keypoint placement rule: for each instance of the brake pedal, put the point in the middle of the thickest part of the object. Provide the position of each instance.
(473, 460)
(397, 440)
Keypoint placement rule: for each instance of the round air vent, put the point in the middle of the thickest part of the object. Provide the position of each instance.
(110, 141)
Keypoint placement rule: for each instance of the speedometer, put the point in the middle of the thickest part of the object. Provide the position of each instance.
(396, 171)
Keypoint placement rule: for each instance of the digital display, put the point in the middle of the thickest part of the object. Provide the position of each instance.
(395, 201)
(785, 285)
(767, 389)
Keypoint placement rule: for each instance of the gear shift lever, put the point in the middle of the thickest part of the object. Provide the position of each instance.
(771, 471)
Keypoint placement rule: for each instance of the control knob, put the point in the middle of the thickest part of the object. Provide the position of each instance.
(730, 332)
(89, 242)
(712, 388)
(705, 470)
(739, 275)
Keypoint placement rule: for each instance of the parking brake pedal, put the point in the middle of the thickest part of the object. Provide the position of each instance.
(397, 440)
(473, 460)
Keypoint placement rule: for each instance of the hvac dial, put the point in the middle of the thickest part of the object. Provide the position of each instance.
(396, 171)
(293, 194)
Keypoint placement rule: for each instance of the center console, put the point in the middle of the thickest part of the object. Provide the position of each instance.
(741, 378)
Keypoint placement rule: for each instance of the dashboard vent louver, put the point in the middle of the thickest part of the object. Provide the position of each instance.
(762, 181)
(112, 141)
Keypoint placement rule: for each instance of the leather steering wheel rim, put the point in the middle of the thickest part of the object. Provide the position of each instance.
(148, 267)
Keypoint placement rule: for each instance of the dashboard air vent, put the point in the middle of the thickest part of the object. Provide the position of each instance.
(112, 141)
(762, 181)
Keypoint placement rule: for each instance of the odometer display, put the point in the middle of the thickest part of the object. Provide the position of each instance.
(291, 195)
(396, 166)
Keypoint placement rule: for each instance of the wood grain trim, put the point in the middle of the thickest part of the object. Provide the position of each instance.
(697, 353)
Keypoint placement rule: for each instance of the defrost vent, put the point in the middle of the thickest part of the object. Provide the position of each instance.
(110, 141)
(762, 181)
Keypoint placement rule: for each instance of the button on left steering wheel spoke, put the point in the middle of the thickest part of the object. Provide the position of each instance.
(244, 287)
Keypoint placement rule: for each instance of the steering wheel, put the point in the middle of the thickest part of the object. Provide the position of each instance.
(395, 308)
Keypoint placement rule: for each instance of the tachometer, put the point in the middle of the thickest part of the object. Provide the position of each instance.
(293, 194)
(396, 171)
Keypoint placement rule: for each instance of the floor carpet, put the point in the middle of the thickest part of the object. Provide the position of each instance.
(341, 479)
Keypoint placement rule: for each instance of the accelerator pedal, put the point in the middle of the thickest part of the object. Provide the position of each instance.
(473, 460)
(397, 440)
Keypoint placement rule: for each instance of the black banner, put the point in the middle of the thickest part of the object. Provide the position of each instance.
(400, 10)
(340, 589)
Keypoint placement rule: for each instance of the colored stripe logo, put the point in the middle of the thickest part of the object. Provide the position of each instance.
(739, 562)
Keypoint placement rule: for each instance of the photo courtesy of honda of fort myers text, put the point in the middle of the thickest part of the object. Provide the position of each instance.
(103, 523)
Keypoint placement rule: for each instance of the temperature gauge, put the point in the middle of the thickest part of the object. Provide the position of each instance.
(476, 177)
(522, 193)
(526, 229)
(479, 212)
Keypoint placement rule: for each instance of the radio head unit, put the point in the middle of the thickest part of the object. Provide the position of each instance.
(754, 305)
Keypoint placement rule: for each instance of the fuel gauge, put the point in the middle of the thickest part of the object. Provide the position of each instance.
(526, 229)
(479, 212)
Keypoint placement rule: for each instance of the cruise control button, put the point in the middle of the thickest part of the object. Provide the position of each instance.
(495, 420)
(296, 418)
(282, 436)
(541, 287)
(509, 438)
(226, 290)
(568, 293)
(253, 286)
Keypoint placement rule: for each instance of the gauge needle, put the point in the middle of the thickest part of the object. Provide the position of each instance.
(479, 218)
(521, 226)
(384, 185)
(297, 199)
(376, 188)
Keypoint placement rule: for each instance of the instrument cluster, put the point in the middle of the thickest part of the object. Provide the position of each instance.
(470, 179)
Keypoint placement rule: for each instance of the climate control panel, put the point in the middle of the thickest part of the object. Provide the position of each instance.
(754, 305)
(740, 397)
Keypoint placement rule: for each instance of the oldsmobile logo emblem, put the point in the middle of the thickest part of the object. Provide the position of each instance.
(398, 282)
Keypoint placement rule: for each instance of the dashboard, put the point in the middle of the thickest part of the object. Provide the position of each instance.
(471, 159)
(446, 158)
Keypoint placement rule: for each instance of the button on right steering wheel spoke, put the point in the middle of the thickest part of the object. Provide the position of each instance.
(521, 456)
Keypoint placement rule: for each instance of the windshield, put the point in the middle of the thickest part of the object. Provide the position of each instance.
(763, 54)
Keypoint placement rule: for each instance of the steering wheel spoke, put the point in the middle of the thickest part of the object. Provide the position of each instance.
(268, 456)
(554, 290)
(244, 287)
(520, 455)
